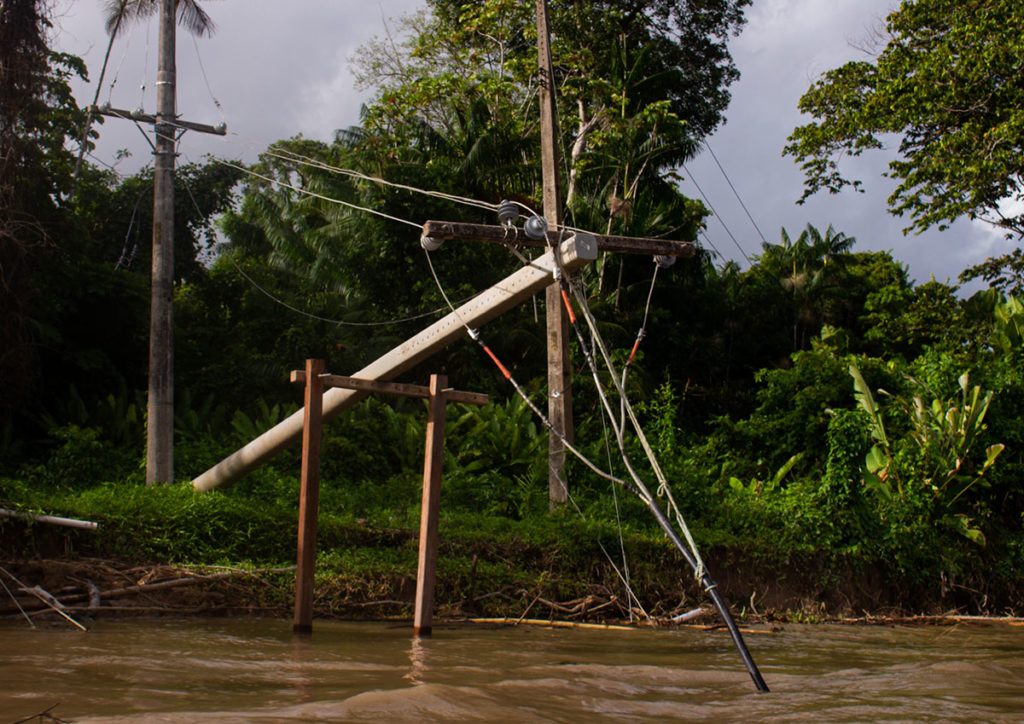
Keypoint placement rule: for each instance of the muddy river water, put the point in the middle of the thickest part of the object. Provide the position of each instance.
(254, 670)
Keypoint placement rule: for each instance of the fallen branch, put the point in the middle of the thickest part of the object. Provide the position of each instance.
(380, 603)
(119, 592)
(553, 624)
(43, 716)
(56, 606)
(173, 583)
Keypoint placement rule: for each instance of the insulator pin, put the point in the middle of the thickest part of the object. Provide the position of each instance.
(536, 228)
(508, 213)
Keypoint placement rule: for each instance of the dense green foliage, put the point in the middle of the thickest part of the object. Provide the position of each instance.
(817, 409)
(948, 81)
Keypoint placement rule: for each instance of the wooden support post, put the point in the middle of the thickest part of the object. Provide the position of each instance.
(316, 380)
(309, 497)
(426, 577)
(559, 379)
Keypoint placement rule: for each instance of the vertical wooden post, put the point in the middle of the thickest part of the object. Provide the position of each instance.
(426, 576)
(559, 386)
(309, 497)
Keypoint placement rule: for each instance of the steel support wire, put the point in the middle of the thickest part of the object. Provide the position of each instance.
(690, 556)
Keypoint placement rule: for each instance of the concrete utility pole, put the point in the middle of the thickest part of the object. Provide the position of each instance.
(160, 404)
(575, 252)
(559, 382)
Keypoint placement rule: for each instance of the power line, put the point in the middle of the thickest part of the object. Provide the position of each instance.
(202, 69)
(710, 243)
(336, 322)
(734, 191)
(278, 300)
(314, 194)
(716, 214)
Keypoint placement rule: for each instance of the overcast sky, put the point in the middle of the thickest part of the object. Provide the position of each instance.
(278, 72)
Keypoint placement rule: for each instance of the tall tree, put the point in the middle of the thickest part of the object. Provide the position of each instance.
(948, 81)
(191, 15)
(650, 76)
(801, 268)
(37, 114)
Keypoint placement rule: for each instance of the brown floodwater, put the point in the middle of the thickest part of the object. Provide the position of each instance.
(254, 670)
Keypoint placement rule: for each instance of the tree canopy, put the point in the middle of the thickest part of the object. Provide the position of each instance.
(949, 83)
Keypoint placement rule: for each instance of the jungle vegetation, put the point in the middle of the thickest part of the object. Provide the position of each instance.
(818, 406)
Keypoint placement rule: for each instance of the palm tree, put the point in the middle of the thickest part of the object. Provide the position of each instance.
(801, 268)
(190, 15)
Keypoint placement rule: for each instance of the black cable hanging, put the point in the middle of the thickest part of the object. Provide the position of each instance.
(705, 579)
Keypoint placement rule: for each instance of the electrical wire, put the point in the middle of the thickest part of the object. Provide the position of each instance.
(475, 335)
(145, 65)
(641, 333)
(664, 490)
(717, 216)
(316, 195)
(710, 243)
(734, 191)
(287, 155)
(206, 80)
(117, 71)
(336, 322)
(618, 525)
(89, 116)
(637, 486)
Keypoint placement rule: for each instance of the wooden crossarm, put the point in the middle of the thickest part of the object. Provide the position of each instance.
(392, 388)
(457, 231)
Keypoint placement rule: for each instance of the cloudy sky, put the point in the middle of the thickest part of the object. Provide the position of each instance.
(272, 74)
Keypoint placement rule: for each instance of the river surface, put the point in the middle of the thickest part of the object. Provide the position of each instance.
(254, 670)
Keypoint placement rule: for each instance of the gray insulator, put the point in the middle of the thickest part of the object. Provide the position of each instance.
(664, 262)
(430, 244)
(536, 228)
(508, 212)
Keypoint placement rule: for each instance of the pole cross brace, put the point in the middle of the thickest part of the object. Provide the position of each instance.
(458, 231)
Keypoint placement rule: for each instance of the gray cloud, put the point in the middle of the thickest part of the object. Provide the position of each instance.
(282, 69)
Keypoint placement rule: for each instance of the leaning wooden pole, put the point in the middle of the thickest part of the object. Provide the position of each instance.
(575, 252)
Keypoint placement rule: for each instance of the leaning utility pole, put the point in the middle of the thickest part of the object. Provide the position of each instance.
(160, 405)
(559, 383)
